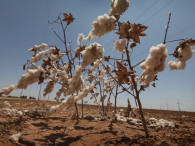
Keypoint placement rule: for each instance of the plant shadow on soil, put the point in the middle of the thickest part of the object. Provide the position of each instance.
(53, 137)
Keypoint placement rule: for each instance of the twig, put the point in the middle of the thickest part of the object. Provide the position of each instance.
(57, 35)
(164, 42)
(175, 40)
(138, 63)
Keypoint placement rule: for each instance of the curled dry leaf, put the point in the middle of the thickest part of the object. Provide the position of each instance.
(136, 31)
(133, 31)
(68, 18)
(123, 73)
(107, 58)
(47, 62)
(41, 78)
(133, 45)
(154, 85)
(24, 66)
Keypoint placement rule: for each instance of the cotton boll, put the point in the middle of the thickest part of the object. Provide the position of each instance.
(76, 82)
(49, 88)
(7, 103)
(184, 54)
(91, 54)
(120, 45)
(38, 48)
(7, 90)
(90, 78)
(80, 39)
(102, 26)
(84, 92)
(103, 72)
(15, 137)
(63, 76)
(97, 63)
(30, 77)
(176, 65)
(153, 64)
(41, 54)
(119, 7)
(61, 90)
(54, 108)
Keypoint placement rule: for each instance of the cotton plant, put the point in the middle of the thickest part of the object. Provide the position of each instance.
(125, 75)
(85, 70)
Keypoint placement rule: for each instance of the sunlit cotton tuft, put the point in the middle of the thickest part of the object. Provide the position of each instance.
(153, 64)
(118, 7)
(102, 26)
(184, 54)
(91, 54)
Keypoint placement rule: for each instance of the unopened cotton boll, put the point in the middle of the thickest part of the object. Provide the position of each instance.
(91, 54)
(30, 77)
(120, 45)
(8, 90)
(119, 7)
(153, 64)
(49, 88)
(184, 54)
(102, 26)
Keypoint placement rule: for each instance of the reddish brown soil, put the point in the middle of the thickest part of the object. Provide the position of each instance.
(59, 129)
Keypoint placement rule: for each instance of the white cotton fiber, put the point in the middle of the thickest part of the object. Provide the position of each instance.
(15, 137)
(76, 82)
(91, 54)
(184, 54)
(42, 54)
(8, 90)
(97, 63)
(84, 92)
(153, 64)
(38, 48)
(118, 7)
(30, 77)
(102, 26)
(49, 88)
(80, 39)
(175, 65)
(120, 45)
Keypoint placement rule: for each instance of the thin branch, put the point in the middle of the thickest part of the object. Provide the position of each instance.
(175, 40)
(138, 63)
(57, 35)
(116, 80)
(164, 42)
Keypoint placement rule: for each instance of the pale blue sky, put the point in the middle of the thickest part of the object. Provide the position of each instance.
(24, 24)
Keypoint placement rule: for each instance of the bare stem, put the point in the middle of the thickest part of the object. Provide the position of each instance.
(164, 42)
(136, 92)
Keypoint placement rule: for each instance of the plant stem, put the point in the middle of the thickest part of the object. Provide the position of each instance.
(136, 92)
(164, 42)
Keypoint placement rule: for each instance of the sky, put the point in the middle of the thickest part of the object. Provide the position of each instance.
(24, 23)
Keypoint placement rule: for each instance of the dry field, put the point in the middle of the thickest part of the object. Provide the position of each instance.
(37, 127)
